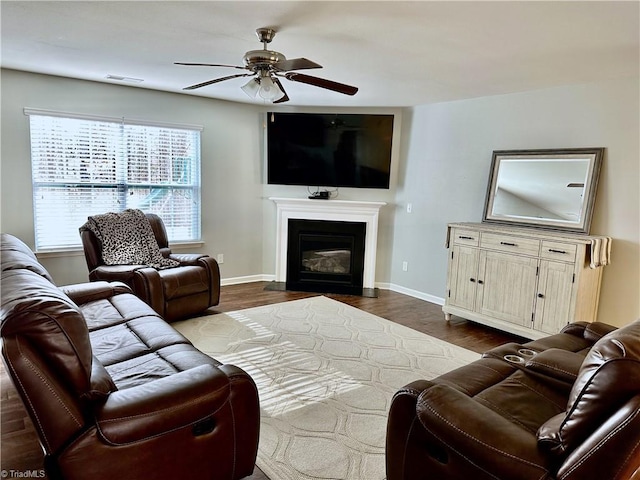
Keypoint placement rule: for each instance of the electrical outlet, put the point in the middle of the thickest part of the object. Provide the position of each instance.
(405, 266)
(220, 258)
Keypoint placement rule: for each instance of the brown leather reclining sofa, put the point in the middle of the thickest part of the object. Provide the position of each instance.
(115, 392)
(563, 407)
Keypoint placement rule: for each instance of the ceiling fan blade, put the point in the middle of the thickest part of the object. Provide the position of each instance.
(285, 97)
(295, 64)
(322, 83)
(216, 80)
(209, 65)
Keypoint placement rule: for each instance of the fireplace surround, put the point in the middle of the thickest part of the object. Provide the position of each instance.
(366, 213)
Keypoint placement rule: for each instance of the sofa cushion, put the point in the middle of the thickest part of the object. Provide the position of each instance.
(133, 338)
(157, 364)
(136, 345)
(608, 378)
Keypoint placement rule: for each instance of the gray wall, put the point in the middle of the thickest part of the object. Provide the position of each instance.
(231, 174)
(448, 158)
(238, 220)
(442, 154)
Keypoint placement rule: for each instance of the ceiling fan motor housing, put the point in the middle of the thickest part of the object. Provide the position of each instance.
(255, 58)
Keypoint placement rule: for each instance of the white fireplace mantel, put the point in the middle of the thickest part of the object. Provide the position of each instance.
(336, 210)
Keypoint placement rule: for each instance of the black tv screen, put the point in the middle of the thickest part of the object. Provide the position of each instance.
(329, 150)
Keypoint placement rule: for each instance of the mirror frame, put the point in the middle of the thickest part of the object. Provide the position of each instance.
(594, 155)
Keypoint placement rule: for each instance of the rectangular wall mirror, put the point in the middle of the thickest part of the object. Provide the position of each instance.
(554, 189)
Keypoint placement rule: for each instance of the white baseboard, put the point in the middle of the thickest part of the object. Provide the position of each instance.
(383, 286)
(247, 279)
(416, 294)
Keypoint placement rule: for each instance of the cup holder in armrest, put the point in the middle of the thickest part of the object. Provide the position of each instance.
(526, 352)
(514, 359)
(513, 353)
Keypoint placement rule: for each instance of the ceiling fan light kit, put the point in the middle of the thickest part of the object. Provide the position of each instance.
(267, 66)
(263, 87)
(269, 90)
(251, 87)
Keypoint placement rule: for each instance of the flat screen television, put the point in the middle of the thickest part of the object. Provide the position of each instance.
(329, 150)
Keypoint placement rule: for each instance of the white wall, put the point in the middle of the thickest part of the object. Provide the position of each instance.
(448, 157)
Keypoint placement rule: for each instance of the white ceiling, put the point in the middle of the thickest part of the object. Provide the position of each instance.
(398, 53)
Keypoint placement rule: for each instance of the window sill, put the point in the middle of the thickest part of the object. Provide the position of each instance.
(78, 252)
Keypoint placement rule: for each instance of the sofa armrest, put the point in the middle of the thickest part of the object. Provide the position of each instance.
(82, 293)
(189, 258)
(592, 331)
(488, 440)
(113, 273)
(557, 363)
(575, 328)
(596, 330)
(148, 286)
(164, 405)
(401, 429)
(210, 265)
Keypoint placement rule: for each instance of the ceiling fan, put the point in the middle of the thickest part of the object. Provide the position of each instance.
(266, 66)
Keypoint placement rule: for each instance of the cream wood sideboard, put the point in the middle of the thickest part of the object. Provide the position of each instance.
(524, 281)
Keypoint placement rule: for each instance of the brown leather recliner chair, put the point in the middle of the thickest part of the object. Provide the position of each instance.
(570, 409)
(174, 293)
(113, 391)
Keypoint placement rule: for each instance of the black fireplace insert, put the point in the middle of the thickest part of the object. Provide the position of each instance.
(325, 256)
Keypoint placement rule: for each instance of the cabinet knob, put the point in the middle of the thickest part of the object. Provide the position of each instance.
(540, 295)
(480, 282)
(472, 279)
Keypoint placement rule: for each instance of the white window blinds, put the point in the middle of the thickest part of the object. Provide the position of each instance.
(84, 166)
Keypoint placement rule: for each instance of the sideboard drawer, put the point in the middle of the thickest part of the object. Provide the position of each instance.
(510, 243)
(465, 237)
(565, 252)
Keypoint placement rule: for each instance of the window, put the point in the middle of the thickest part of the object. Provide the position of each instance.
(84, 166)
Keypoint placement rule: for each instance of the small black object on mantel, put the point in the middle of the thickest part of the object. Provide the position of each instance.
(324, 195)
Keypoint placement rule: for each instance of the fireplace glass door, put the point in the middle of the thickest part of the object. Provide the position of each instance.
(325, 256)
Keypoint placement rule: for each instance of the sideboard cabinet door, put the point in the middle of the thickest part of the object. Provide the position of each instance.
(463, 265)
(507, 287)
(555, 296)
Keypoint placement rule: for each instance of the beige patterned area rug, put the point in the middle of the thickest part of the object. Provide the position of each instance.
(326, 373)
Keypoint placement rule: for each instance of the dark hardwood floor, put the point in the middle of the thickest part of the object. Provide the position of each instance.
(19, 447)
